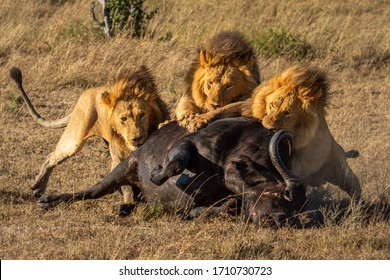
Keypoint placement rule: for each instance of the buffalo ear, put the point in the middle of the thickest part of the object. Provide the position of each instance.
(106, 97)
(204, 58)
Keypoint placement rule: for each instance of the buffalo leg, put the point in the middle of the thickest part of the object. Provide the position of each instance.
(124, 174)
(232, 205)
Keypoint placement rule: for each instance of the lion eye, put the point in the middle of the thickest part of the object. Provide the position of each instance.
(209, 84)
(123, 119)
(271, 106)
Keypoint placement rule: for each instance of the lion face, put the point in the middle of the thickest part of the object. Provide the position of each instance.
(283, 111)
(222, 85)
(134, 109)
(131, 120)
(226, 72)
(294, 100)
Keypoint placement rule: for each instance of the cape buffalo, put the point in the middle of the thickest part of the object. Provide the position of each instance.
(232, 161)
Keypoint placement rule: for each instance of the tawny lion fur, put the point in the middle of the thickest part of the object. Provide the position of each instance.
(224, 71)
(123, 114)
(296, 100)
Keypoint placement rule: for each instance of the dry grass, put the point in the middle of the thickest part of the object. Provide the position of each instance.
(61, 53)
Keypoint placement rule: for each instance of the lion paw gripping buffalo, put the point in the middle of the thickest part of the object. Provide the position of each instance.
(124, 114)
(231, 162)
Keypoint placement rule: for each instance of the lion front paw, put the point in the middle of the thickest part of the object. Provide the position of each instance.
(198, 122)
(164, 123)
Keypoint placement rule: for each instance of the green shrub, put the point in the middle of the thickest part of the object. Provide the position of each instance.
(282, 43)
(129, 14)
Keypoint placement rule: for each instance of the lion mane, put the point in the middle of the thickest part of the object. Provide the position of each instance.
(224, 71)
(124, 114)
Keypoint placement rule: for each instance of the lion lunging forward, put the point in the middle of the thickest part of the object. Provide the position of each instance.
(123, 114)
(296, 101)
(225, 71)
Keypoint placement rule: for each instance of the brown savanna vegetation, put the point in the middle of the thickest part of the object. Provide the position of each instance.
(62, 52)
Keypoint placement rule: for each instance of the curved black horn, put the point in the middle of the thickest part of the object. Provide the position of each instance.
(274, 151)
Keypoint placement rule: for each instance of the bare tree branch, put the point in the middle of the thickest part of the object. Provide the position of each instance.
(92, 11)
(106, 18)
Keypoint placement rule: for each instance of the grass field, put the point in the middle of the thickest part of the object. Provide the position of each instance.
(62, 52)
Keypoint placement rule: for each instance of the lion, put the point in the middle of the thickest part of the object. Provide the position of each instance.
(296, 100)
(224, 71)
(124, 114)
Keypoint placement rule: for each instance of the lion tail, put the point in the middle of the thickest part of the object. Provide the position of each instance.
(352, 154)
(16, 75)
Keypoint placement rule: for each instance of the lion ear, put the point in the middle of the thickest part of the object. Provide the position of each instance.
(106, 97)
(204, 58)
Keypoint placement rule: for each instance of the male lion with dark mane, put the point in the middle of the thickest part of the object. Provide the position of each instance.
(225, 71)
(124, 114)
(295, 101)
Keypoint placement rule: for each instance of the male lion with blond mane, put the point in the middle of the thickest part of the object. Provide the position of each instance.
(123, 114)
(224, 71)
(296, 100)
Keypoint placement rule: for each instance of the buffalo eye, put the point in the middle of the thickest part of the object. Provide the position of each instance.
(142, 115)
(287, 113)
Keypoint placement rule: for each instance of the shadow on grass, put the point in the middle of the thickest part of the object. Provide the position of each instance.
(15, 198)
(323, 209)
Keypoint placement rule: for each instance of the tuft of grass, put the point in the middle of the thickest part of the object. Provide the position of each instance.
(12, 103)
(151, 211)
(279, 42)
(370, 56)
(77, 29)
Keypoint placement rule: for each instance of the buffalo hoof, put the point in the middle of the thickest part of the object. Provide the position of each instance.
(51, 201)
(126, 209)
(197, 212)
